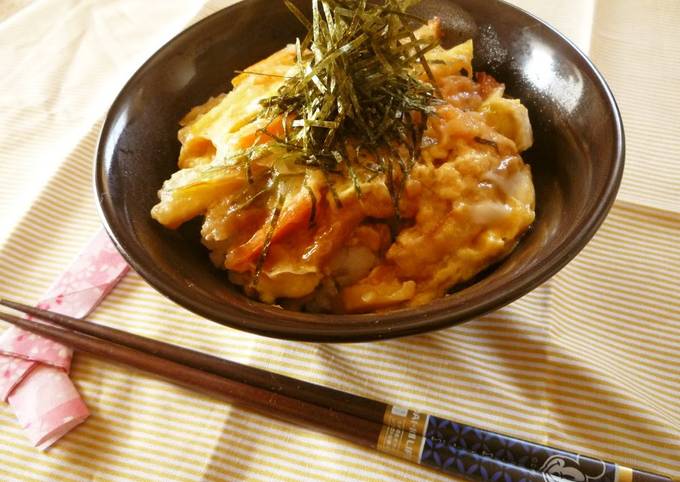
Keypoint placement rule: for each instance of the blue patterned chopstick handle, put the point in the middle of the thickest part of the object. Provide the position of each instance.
(482, 455)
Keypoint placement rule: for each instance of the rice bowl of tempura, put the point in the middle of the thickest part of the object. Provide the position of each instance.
(388, 182)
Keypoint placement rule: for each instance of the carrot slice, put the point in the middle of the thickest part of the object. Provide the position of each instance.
(292, 216)
(274, 129)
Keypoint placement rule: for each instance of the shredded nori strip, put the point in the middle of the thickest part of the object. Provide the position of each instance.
(273, 221)
(357, 83)
(250, 72)
(248, 198)
(312, 214)
(486, 142)
(357, 89)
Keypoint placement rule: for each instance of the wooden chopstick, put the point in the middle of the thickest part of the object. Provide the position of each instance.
(348, 427)
(361, 407)
(408, 434)
(287, 408)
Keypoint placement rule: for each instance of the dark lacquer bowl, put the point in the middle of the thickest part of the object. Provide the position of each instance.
(577, 162)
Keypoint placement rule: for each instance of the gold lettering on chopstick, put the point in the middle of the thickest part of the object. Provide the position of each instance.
(403, 433)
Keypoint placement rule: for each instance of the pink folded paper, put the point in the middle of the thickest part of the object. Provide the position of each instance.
(46, 422)
(33, 369)
(16, 342)
(12, 371)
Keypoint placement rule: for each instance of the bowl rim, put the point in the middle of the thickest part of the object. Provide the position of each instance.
(362, 327)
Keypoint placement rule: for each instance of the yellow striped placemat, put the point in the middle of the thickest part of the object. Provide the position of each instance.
(587, 362)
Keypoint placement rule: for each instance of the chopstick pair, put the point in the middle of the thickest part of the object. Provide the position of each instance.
(442, 444)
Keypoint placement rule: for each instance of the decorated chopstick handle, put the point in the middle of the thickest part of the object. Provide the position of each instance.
(482, 455)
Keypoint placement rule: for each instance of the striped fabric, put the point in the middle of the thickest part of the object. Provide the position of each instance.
(588, 362)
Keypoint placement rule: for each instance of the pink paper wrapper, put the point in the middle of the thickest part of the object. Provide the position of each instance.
(18, 343)
(76, 293)
(91, 277)
(12, 371)
(48, 406)
(32, 366)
